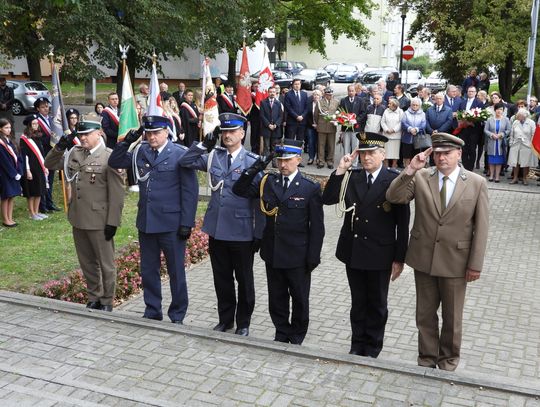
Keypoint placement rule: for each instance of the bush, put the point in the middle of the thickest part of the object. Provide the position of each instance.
(72, 288)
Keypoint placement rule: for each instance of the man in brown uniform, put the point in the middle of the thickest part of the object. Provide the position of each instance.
(95, 208)
(326, 129)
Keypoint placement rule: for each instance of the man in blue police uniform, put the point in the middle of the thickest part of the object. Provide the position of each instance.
(229, 221)
(373, 239)
(292, 238)
(167, 206)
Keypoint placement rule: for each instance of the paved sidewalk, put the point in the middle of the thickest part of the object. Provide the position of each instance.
(501, 323)
(60, 354)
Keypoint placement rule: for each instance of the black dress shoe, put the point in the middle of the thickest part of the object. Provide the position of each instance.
(54, 208)
(301, 165)
(330, 166)
(178, 322)
(242, 331)
(107, 308)
(10, 226)
(310, 162)
(93, 305)
(154, 318)
(319, 166)
(223, 327)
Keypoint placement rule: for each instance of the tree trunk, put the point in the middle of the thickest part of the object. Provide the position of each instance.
(505, 78)
(34, 67)
(231, 74)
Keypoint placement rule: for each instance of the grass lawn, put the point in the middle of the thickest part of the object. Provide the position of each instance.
(38, 251)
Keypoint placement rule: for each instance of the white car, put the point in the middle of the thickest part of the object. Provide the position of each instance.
(435, 81)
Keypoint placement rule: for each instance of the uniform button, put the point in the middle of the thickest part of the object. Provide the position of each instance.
(378, 206)
(354, 204)
(437, 241)
(366, 221)
(440, 224)
(355, 218)
(355, 236)
(365, 237)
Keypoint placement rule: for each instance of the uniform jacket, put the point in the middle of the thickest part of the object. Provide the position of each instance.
(97, 192)
(110, 128)
(444, 244)
(295, 107)
(168, 198)
(294, 236)
(375, 233)
(9, 186)
(326, 107)
(269, 116)
(358, 107)
(440, 121)
(228, 216)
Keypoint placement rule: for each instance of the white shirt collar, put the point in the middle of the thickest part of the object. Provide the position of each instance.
(375, 173)
(235, 153)
(291, 176)
(452, 177)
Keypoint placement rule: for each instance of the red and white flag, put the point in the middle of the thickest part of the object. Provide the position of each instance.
(243, 92)
(266, 80)
(154, 99)
(535, 142)
(210, 110)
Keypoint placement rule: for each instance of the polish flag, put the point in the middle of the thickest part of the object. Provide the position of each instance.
(154, 99)
(535, 142)
(266, 80)
(243, 92)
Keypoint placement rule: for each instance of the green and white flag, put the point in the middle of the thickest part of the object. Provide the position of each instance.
(128, 112)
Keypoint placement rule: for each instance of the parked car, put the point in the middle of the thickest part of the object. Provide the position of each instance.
(346, 73)
(283, 79)
(26, 93)
(312, 77)
(292, 67)
(371, 76)
(411, 79)
(361, 66)
(331, 68)
(436, 82)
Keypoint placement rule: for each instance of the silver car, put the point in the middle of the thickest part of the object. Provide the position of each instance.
(26, 93)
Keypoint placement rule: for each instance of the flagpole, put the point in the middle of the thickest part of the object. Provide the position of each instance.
(64, 192)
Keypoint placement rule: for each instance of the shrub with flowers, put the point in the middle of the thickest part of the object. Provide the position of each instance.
(72, 288)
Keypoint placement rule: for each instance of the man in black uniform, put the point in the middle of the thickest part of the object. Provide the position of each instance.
(373, 239)
(292, 238)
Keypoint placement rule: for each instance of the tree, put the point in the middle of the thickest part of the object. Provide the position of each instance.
(477, 34)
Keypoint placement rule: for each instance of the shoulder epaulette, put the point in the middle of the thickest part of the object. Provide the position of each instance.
(219, 148)
(394, 170)
(355, 169)
(252, 155)
(310, 178)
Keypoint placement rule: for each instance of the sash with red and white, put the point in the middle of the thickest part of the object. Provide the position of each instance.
(190, 110)
(112, 114)
(44, 126)
(10, 150)
(35, 150)
(227, 100)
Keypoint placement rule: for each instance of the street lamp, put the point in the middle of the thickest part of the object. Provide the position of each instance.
(403, 8)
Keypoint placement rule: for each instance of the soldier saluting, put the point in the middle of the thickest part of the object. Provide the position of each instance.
(95, 208)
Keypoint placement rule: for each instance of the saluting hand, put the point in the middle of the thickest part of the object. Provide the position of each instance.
(419, 161)
(346, 162)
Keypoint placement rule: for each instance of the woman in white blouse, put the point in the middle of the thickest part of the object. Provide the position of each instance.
(521, 154)
(391, 127)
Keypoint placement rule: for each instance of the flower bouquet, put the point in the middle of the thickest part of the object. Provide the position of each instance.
(468, 118)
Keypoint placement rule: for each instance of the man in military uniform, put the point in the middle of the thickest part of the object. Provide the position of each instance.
(373, 239)
(95, 209)
(167, 207)
(229, 221)
(292, 237)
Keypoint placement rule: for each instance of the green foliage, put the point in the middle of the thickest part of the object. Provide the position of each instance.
(422, 63)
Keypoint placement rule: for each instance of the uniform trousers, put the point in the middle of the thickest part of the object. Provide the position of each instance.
(96, 258)
(327, 144)
(232, 259)
(295, 131)
(434, 348)
(285, 285)
(173, 248)
(369, 310)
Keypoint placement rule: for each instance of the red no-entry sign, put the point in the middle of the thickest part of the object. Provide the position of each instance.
(408, 52)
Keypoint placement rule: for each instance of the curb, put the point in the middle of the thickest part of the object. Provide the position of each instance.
(482, 381)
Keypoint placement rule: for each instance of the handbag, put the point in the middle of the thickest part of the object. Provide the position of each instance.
(422, 140)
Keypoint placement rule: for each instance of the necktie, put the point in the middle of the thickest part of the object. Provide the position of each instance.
(298, 96)
(369, 181)
(443, 193)
(451, 101)
(351, 100)
(156, 152)
(285, 184)
(271, 103)
(229, 160)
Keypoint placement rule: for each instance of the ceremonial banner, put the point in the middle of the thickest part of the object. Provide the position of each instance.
(266, 80)
(128, 112)
(243, 92)
(210, 112)
(59, 123)
(154, 99)
(535, 142)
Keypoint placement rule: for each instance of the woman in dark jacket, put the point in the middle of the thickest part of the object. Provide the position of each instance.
(11, 170)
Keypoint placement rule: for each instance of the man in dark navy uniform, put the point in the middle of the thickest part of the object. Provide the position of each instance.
(292, 238)
(229, 221)
(373, 239)
(167, 207)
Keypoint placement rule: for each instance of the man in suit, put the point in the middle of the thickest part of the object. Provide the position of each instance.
(373, 239)
(403, 100)
(111, 119)
(438, 116)
(271, 117)
(167, 207)
(227, 100)
(229, 221)
(296, 106)
(95, 208)
(358, 106)
(471, 80)
(453, 101)
(470, 135)
(447, 245)
(254, 118)
(326, 130)
(292, 238)
(179, 94)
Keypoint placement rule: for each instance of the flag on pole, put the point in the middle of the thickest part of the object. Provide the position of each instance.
(535, 142)
(154, 99)
(243, 93)
(266, 80)
(59, 123)
(210, 112)
(128, 112)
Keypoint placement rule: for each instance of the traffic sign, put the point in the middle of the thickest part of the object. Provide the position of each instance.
(408, 52)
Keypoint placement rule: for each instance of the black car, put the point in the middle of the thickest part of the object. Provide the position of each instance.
(371, 77)
(312, 77)
(283, 79)
(291, 67)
